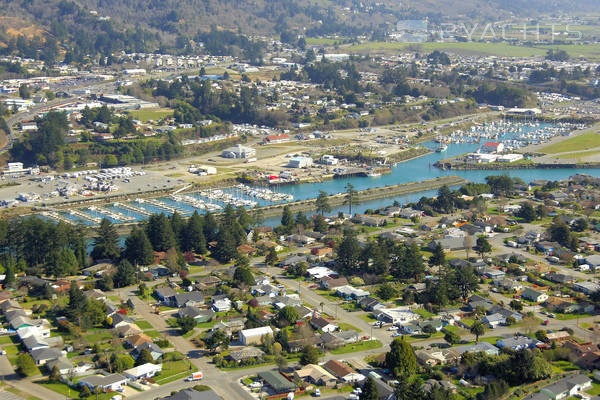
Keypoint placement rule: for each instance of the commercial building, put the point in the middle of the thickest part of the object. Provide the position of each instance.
(300, 162)
(254, 335)
(238, 151)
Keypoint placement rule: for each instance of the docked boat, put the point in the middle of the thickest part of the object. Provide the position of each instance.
(442, 148)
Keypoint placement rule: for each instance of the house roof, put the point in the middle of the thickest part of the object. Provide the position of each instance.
(191, 394)
(46, 353)
(100, 380)
(338, 368)
(136, 340)
(275, 380)
(566, 384)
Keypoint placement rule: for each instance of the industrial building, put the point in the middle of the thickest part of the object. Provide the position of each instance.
(238, 151)
(300, 162)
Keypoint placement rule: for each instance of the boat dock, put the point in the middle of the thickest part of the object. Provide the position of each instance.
(57, 217)
(117, 216)
(85, 216)
(137, 210)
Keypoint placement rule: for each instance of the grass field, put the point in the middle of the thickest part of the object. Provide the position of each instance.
(358, 346)
(143, 325)
(152, 114)
(173, 370)
(582, 142)
(579, 156)
(591, 52)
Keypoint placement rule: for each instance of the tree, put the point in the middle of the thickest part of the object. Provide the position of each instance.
(387, 292)
(452, 337)
(516, 305)
(226, 249)
(351, 197)
(348, 253)
(477, 329)
(194, 238)
(121, 362)
(160, 233)
(465, 281)
(243, 275)
(287, 219)
(24, 91)
(541, 335)
(271, 257)
(106, 242)
(142, 290)
(468, 243)
(125, 275)
(369, 390)
(483, 245)
(186, 323)
(144, 357)
(527, 212)
(322, 205)
(77, 302)
(26, 365)
(217, 339)
(438, 257)
(401, 358)
(288, 315)
(138, 249)
(310, 355)
(62, 262)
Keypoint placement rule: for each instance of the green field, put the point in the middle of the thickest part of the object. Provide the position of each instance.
(173, 370)
(585, 141)
(143, 325)
(358, 346)
(591, 52)
(152, 114)
(579, 156)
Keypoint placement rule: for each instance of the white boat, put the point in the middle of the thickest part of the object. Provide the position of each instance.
(442, 148)
(373, 174)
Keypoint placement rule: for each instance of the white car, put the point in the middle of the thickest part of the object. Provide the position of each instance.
(255, 385)
(353, 396)
(396, 334)
(392, 328)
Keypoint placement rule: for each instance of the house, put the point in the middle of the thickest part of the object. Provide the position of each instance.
(63, 364)
(586, 287)
(155, 351)
(143, 371)
(430, 357)
(128, 330)
(534, 295)
(343, 372)
(246, 353)
(239, 151)
(196, 313)
(254, 335)
(397, 315)
(331, 341)
(300, 239)
(561, 278)
(270, 139)
(221, 305)
(329, 283)
(120, 320)
(95, 294)
(492, 273)
(110, 382)
(348, 336)
(277, 382)
(518, 342)
(494, 320)
(164, 294)
(303, 312)
(192, 394)
(316, 375)
(370, 304)
(42, 355)
(558, 336)
(557, 304)
(348, 291)
(587, 355)
(567, 387)
(322, 324)
(485, 347)
(321, 252)
(229, 327)
(136, 340)
(492, 147)
(209, 281)
(194, 298)
(34, 343)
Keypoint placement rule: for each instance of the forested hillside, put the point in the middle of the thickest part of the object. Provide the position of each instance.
(91, 27)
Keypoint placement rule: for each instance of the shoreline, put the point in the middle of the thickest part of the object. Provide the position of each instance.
(508, 166)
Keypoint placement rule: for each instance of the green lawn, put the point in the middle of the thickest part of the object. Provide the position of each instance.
(358, 346)
(347, 327)
(498, 49)
(153, 114)
(152, 333)
(582, 142)
(98, 336)
(423, 313)
(144, 325)
(173, 370)
(368, 318)
(6, 339)
(71, 393)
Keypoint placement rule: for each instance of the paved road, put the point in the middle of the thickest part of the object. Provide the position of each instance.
(26, 385)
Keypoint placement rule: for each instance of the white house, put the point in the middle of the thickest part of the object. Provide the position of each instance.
(254, 335)
(492, 147)
(109, 382)
(147, 370)
(534, 295)
(397, 315)
(300, 162)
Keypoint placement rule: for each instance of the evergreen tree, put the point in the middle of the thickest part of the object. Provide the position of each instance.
(401, 358)
(226, 249)
(271, 257)
(351, 197)
(322, 203)
(194, 235)
(438, 257)
(9, 280)
(369, 390)
(483, 245)
(54, 375)
(477, 329)
(348, 253)
(160, 233)
(138, 249)
(106, 243)
(178, 226)
(125, 275)
(144, 357)
(287, 220)
(77, 301)
(310, 355)
(465, 281)
(211, 228)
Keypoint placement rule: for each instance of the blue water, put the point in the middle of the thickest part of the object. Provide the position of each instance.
(418, 169)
